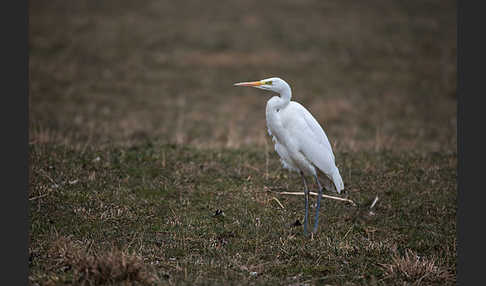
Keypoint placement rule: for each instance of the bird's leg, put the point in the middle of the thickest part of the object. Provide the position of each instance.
(318, 204)
(306, 195)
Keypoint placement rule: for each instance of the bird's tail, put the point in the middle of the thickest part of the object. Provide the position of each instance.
(338, 181)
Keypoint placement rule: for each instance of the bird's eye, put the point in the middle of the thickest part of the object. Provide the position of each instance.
(268, 82)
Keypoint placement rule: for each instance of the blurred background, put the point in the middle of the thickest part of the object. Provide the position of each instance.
(378, 74)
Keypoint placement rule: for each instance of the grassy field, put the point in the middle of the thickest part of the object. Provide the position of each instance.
(148, 167)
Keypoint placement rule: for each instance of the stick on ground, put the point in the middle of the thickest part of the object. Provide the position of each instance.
(316, 194)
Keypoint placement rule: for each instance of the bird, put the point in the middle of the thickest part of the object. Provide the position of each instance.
(299, 140)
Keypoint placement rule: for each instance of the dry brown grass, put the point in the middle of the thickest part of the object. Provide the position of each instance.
(415, 269)
(109, 267)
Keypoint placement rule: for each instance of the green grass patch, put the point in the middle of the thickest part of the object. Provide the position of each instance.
(187, 215)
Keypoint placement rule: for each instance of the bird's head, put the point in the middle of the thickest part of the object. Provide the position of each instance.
(274, 84)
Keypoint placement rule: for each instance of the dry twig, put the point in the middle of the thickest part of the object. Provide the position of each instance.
(316, 194)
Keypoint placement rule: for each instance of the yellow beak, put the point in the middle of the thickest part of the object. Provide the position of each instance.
(249, 83)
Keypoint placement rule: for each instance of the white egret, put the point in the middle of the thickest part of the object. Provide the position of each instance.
(299, 140)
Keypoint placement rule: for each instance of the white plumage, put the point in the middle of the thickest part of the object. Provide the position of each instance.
(299, 140)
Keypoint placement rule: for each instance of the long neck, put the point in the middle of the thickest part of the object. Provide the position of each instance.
(285, 96)
(274, 105)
